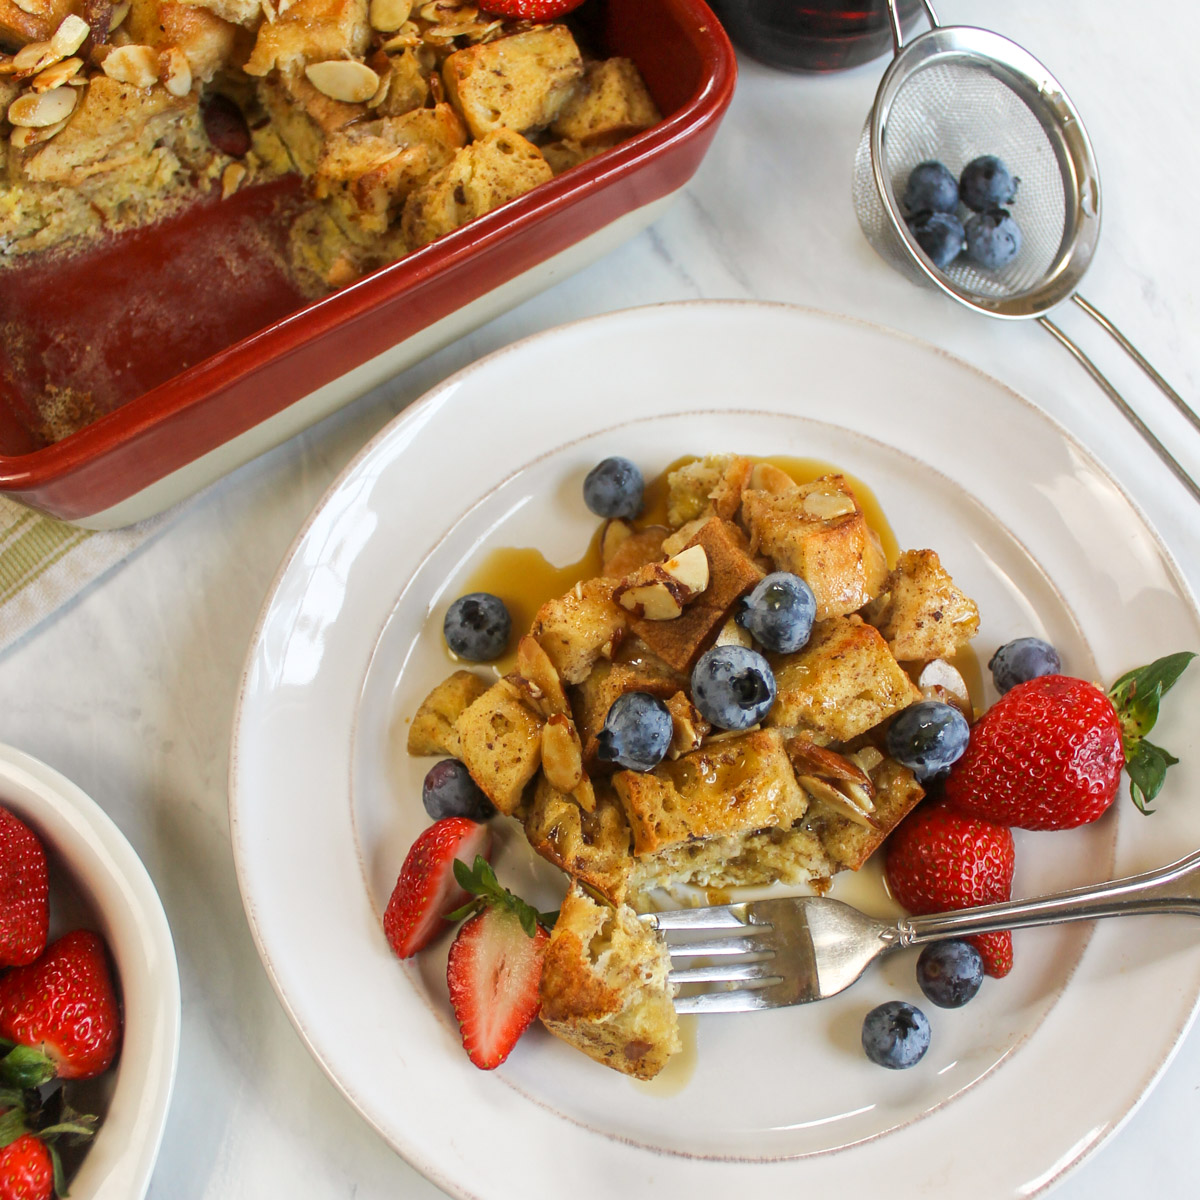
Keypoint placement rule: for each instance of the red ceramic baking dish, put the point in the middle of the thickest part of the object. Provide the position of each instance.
(206, 356)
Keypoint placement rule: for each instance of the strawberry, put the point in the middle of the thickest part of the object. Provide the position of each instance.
(1048, 754)
(426, 889)
(495, 967)
(940, 859)
(65, 1004)
(24, 893)
(26, 1169)
(529, 10)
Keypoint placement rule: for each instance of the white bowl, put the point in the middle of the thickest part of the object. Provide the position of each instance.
(94, 871)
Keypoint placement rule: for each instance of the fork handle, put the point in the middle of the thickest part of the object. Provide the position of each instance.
(1171, 889)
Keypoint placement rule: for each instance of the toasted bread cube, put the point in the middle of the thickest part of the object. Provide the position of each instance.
(733, 785)
(564, 154)
(848, 843)
(604, 987)
(310, 31)
(500, 744)
(842, 683)
(732, 573)
(580, 628)
(624, 550)
(819, 532)
(482, 176)
(920, 612)
(690, 487)
(408, 85)
(611, 103)
(593, 847)
(384, 161)
(518, 82)
(432, 730)
(205, 37)
(591, 699)
(236, 12)
(26, 22)
(112, 119)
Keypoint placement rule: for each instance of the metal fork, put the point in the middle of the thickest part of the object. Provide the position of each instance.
(794, 950)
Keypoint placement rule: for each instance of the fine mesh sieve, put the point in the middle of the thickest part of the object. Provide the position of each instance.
(951, 95)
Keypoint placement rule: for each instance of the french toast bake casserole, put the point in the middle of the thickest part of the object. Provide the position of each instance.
(405, 119)
(805, 793)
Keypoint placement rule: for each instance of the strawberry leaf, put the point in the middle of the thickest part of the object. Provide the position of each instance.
(1147, 769)
(12, 1125)
(1136, 697)
(479, 881)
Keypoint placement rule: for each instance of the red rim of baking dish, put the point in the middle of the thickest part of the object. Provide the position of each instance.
(203, 382)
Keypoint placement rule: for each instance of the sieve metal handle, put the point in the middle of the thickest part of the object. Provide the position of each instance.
(898, 33)
(1121, 403)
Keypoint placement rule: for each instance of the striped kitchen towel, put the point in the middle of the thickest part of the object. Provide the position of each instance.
(45, 563)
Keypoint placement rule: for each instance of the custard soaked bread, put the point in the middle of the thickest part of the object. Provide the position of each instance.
(113, 115)
(800, 789)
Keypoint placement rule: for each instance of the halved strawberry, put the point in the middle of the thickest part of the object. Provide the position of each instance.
(495, 968)
(24, 893)
(65, 1005)
(426, 889)
(529, 10)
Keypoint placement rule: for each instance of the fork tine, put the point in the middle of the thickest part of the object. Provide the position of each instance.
(724, 916)
(741, 1000)
(716, 947)
(759, 972)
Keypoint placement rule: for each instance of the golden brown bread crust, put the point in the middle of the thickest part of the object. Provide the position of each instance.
(842, 683)
(500, 743)
(432, 730)
(604, 987)
(920, 611)
(580, 628)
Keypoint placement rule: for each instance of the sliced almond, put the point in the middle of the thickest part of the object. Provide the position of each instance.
(344, 79)
(684, 534)
(616, 532)
(655, 601)
(827, 505)
(70, 35)
(231, 179)
(389, 15)
(585, 795)
(562, 754)
(381, 93)
(405, 38)
(136, 65)
(938, 679)
(29, 6)
(842, 803)
(56, 75)
(810, 759)
(34, 57)
(25, 136)
(540, 679)
(866, 759)
(767, 477)
(37, 110)
(690, 568)
(732, 634)
(119, 13)
(175, 71)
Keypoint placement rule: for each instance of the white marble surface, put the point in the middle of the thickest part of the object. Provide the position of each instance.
(130, 690)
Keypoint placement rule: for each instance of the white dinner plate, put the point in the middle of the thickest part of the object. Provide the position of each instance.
(1018, 1086)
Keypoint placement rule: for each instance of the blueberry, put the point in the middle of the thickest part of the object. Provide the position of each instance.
(614, 488)
(931, 188)
(950, 973)
(993, 238)
(778, 614)
(987, 183)
(1022, 660)
(449, 791)
(637, 732)
(939, 234)
(895, 1035)
(477, 627)
(733, 687)
(928, 737)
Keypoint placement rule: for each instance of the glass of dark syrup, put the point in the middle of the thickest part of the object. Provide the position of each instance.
(812, 35)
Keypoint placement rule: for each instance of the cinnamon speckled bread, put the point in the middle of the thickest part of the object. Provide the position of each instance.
(604, 987)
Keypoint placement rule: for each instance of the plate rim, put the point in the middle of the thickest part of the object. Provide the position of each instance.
(413, 414)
